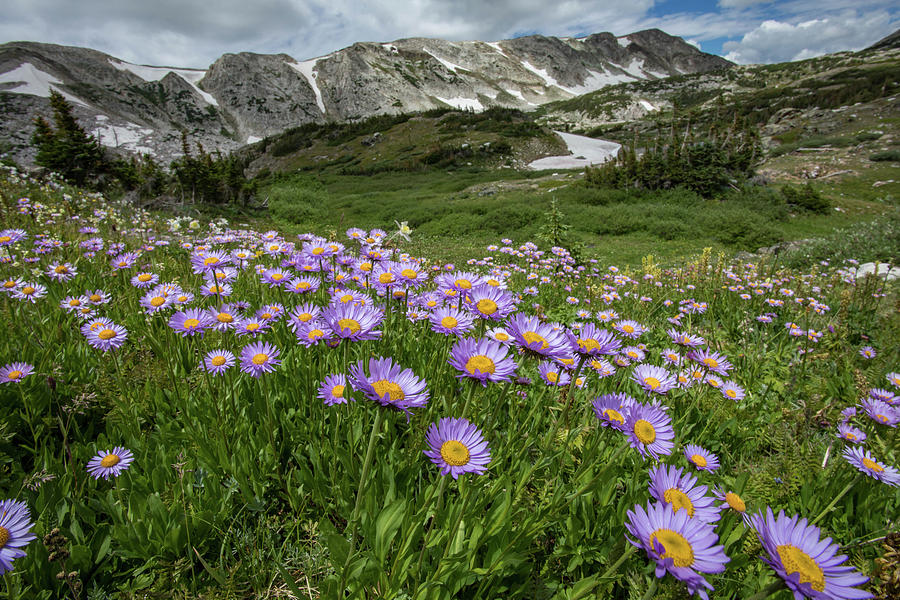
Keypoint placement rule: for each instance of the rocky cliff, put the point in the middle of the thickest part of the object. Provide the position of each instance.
(244, 97)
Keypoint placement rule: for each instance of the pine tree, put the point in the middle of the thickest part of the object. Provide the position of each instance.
(68, 150)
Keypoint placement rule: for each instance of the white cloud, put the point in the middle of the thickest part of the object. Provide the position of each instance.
(741, 3)
(776, 41)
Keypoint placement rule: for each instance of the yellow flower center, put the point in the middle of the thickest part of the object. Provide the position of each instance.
(493, 283)
(210, 260)
(303, 285)
(614, 415)
(486, 306)
(5, 238)
(123, 263)
(266, 316)
(110, 460)
(143, 277)
(795, 560)
(62, 269)
(366, 266)
(315, 334)
(735, 502)
(714, 382)
(9, 283)
(318, 251)
(386, 278)
(409, 273)
(644, 431)
(4, 533)
(463, 284)
(74, 302)
(106, 334)
(346, 298)
(531, 338)
(157, 301)
(28, 290)
(676, 546)
(224, 317)
(277, 276)
(383, 388)
(628, 328)
(480, 362)
(191, 323)
(350, 324)
(698, 460)
(882, 418)
(337, 391)
(501, 337)
(217, 361)
(449, 322)
(710, 362)
(455, 453)
(14, 376)
(552, 376)
(251, 326)
(653, 382)
(679, 500)
(304, 317)
(872, 465)
(731, 393)
(260, 358)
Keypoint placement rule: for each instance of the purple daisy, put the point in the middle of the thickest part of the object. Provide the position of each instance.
(489, 302)
(711, 360)
(482, 359)
(649, 430)
(15, 372)
(630, 329)
(867, 352)
(334, 390)
(457, 447)
(258, 358)
(353, 322)
(61, 271)
(701, 458)
(653, 379)
(881, 412)
(8, 237)
(553, 375)
(107, 463)
(302, 285)
(866, 463)
(251, 326)
(15, 532)
(106, 336)
(732, 391)
(449, 320)
(389, 384)
(883, 395)
(190, 322)
(537, 337)
(29, 292)
(218, 361)
(732, 501)
(593, 341)
(613, 409)
(681, 546)
(685, 339)
(309, 334)
(808, 565)
(670, 485)
(851, 434)
(143, 280)
(894, 379)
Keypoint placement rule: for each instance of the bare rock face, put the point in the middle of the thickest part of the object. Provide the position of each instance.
(244, 97)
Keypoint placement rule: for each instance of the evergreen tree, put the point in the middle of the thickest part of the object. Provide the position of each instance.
(67, 150)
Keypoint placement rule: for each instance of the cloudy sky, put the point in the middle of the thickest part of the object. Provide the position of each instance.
(193, 33)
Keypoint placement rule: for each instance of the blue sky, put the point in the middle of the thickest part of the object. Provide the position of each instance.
(193, 33)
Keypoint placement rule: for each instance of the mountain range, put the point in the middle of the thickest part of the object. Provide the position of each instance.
(242, 98)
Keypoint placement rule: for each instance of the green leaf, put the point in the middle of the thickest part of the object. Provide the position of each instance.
(386, 525)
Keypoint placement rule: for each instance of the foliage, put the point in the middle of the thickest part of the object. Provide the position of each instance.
(68, 149)
(886, 156)
(805, 198)
(213, 179)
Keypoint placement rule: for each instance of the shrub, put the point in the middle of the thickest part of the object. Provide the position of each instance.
(805, 198)
(886, 156)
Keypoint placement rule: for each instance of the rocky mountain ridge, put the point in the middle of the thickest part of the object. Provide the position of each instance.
(242, 98)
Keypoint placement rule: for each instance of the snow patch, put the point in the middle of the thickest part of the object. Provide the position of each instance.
(496, 46)
(252, 139)
(463, 103)
(450, 66)
(648, 106)
(128, 136)
(585, 152)
(307, 69)
(519, 95)
(624, 41)
(635, 68)
(595, 81)
(390, 48)
(542, 73)
(148, 73)
(34, 82)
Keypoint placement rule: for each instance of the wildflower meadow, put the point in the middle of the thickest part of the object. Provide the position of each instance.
(198, 408)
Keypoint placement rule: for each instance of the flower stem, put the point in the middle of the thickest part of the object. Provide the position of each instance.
(840, 495)
(367, 464)
(767, 591)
